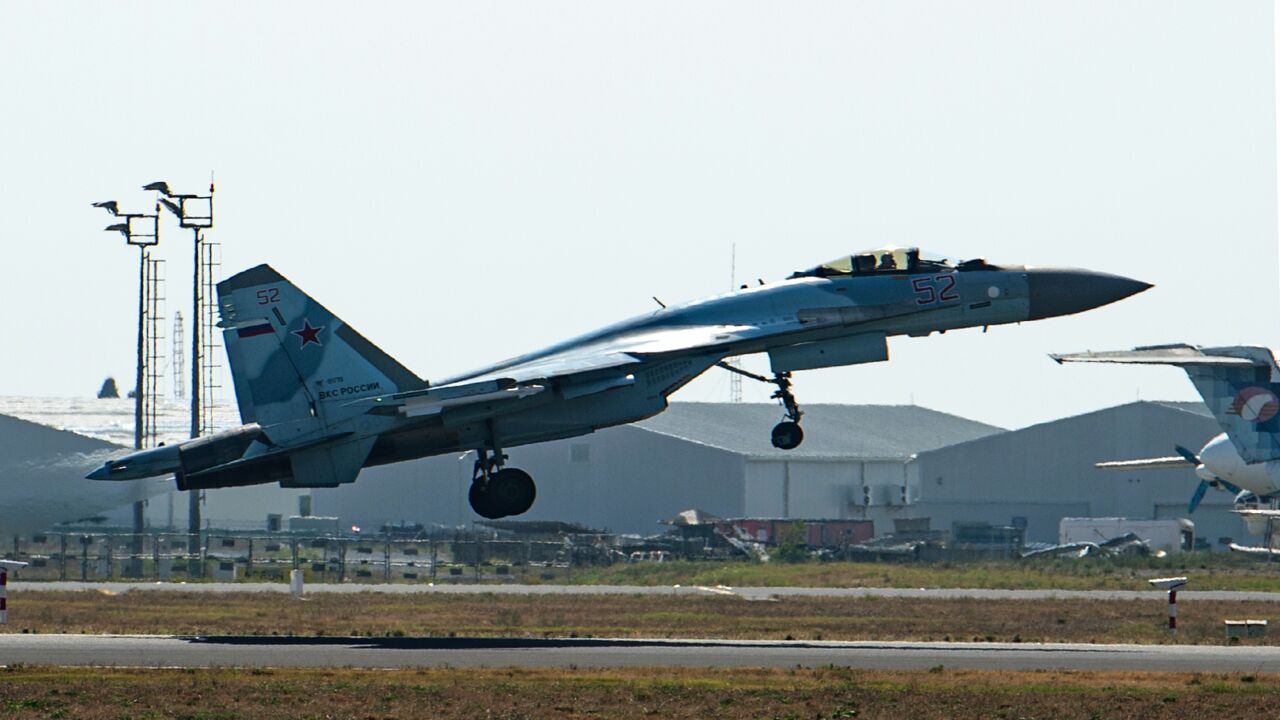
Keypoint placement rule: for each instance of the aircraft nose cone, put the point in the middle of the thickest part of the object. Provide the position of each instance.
(102, 473)
(1063, 291)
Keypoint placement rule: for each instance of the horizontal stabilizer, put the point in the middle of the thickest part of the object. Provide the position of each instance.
(1160, 463)
(1179, 355)
(271, 455)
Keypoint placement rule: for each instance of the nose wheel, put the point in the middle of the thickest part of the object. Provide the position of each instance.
(497, 491)
(787, 434)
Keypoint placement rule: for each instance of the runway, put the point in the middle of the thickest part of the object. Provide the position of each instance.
(239, 651)
(746, 593)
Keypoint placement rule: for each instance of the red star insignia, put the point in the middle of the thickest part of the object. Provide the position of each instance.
(309, 334)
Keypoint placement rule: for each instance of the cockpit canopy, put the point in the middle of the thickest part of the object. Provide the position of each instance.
(895, 260)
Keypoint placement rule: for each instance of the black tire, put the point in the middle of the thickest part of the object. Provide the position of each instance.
(512, 491)
(482, 501)
(787, 435)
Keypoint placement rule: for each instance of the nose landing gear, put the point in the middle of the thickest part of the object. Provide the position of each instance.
(787, 434)
(498, 491)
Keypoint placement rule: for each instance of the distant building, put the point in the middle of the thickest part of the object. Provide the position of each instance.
(103, 427)
(1038, 475)
(858, 462)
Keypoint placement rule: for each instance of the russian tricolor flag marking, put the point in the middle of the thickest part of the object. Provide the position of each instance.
(262, 328)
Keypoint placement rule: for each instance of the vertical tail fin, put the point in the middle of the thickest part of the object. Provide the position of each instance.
(293, 361)
(1240, 384)
(1244, 398)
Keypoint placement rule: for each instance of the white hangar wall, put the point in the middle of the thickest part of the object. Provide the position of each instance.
(621, 479)
(877, 490)
(1046, 472)
(714, 457)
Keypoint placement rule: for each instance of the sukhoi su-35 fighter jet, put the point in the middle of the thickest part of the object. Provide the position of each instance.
(319, 401)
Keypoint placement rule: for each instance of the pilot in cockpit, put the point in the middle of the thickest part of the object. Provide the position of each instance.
(887, 262)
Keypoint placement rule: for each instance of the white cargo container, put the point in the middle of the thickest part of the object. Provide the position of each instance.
(1171, 534)
(313, 524)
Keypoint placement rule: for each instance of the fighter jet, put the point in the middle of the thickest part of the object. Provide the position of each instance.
(1241, 387)
(319, 401)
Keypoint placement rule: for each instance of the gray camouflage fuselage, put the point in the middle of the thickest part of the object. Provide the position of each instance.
(319, 401)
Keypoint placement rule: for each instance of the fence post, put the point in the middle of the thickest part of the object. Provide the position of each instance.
(342, 561)
(386, 561)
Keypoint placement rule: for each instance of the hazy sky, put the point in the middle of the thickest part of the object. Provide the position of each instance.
(463, 182)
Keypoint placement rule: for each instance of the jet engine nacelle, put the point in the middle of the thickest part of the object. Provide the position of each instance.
(200, 458)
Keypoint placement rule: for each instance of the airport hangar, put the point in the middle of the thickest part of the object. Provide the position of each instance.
(871, 462)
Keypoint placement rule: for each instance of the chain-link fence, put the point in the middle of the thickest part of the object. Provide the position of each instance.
(234, 556)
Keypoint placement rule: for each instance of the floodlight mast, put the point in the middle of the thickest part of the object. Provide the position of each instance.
(193, 219)
(142, 235)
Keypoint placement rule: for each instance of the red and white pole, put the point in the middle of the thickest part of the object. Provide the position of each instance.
(5, 567)
(1171, 585)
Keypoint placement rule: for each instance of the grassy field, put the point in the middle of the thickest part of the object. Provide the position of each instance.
(28, 693)
(1218, 571)
(658, 616)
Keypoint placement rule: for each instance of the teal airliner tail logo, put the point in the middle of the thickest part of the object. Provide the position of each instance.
(1255, 404)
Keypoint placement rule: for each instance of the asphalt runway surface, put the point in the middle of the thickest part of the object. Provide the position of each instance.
(746, 593)
(239, 651)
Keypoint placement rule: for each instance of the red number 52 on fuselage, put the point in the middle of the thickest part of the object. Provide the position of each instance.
(933, 289)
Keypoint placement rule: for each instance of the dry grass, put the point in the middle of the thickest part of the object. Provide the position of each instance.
(1209, 571)
(631, 693)
(487, 615)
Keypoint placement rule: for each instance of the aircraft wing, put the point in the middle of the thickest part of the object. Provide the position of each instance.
(1251, 550)
(1160, 463)
(626, 347)
(590, 367)
(1179, 355)
(1257, 512)
(615, 353)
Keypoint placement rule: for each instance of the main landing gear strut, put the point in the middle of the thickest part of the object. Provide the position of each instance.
(498, 491)
(787, 434)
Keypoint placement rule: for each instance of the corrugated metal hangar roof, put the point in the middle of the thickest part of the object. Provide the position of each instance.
(857, 432)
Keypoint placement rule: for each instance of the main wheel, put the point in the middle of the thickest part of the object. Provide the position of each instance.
(787, 435)
(483, 501)
(512, 491)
